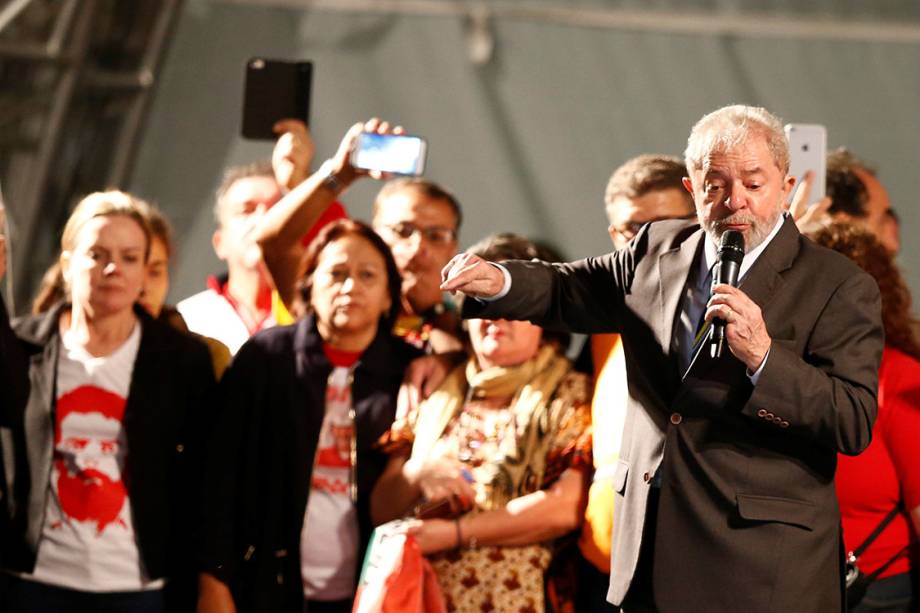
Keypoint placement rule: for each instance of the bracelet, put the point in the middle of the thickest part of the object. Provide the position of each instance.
(472, 543)
(329, 179)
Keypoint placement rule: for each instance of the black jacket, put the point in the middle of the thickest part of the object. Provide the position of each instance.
(14, 370)
(261, 455)
(171, 387)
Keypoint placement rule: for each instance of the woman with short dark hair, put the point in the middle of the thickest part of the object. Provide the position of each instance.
(293, 458)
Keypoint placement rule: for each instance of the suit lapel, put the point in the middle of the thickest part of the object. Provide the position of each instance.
(763, 280)
(673, 270)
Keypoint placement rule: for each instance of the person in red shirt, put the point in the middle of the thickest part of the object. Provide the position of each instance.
(885, 476)
(240, 303)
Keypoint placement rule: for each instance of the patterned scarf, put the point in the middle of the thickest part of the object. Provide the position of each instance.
(520, 468)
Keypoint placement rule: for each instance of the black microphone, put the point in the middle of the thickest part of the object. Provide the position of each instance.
(728, 263)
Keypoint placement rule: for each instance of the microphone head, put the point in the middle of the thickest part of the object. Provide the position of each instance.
(731, 247)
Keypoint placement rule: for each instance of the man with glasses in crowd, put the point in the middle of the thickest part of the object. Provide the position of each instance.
(645, 189)
(419, 220)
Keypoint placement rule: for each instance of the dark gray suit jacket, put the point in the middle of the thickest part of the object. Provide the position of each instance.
(748, 518)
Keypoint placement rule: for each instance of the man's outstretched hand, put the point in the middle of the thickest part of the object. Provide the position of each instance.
(471, 275)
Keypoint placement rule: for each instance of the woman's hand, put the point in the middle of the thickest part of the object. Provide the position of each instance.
(808, 216)
(423, 377)
(434, 535)
(443, 479)
(213, 595)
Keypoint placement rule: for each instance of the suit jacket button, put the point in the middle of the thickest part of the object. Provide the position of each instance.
(769, 416)
(784, 424)
(777, 420)
(762, 413)
(676, 418)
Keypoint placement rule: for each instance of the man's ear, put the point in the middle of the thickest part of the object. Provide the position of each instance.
(788, 188)
(688, 184)
(613, 234)
(217, 243)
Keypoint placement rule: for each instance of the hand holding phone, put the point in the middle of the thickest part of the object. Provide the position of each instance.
(275, 90)
(399, 154)
(293, 153)
(808, 152)
(344, 167)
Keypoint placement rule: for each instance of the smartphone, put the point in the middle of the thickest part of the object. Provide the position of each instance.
(275, 90)
(399, 154)
(808, 151)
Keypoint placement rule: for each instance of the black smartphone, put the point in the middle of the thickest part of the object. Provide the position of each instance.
(399, 154)
(275, 90)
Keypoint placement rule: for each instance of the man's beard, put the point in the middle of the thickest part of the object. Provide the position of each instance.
(90, 495)
(757, 231)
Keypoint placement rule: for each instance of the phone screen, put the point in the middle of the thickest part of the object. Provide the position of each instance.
(394, 153)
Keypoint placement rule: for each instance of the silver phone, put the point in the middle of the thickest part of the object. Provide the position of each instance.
(400, 154)
(808, 151)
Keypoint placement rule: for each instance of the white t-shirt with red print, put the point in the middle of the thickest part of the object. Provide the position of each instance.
(88, 541)
(329, 539)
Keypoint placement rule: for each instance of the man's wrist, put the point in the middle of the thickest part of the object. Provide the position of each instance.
(506, 284)
(754, 373)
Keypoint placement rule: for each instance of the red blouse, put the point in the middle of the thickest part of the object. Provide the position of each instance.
(888, 471)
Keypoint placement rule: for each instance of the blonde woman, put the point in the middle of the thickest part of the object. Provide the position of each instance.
(101, 461)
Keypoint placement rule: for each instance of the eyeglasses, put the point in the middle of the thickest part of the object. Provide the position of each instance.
(630, 228)
(436, 235)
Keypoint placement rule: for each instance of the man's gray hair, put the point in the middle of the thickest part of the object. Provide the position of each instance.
(730, 126)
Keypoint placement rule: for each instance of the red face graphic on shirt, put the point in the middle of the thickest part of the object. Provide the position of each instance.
(337, 451)
(89, 479)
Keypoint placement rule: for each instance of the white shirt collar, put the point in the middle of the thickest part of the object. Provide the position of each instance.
(710, 251)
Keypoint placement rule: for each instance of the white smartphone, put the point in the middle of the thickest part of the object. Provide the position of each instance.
(399, 154)
(808, 151)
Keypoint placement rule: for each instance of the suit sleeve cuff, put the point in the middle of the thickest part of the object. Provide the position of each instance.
(755, 376)
(506, 287)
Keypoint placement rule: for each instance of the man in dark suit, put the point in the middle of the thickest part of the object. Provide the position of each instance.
(725, 482)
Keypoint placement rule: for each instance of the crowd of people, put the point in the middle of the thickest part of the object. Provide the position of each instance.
(235, 452)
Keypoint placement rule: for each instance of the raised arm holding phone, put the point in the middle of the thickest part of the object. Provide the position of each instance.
(280, 231)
